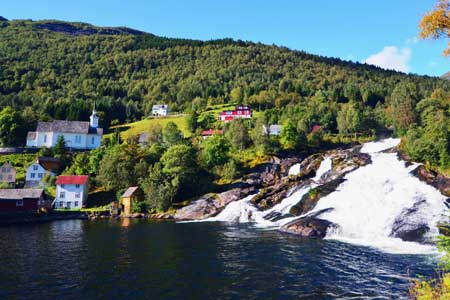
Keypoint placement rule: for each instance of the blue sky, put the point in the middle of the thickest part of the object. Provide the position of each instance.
(382, 32)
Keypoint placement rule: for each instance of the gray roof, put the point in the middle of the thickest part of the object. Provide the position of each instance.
(68, 127)
(130, 191)
(19, 194)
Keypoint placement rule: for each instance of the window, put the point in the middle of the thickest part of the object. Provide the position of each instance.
(3, 170)
(76, 204)
(33, 175)
(45, 138)
(78, 139)
(19, 203)
(35, 167)
(62, 195)
(9, 177)
(68, 204)
(1, 177)
(77, 195)
(77, 186)
(61, 204)
(40, 175)
(93, 140)
(62, 185)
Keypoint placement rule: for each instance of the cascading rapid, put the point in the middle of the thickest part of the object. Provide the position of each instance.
(380, 205)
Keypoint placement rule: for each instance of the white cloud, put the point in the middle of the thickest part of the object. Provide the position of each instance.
(391, 58)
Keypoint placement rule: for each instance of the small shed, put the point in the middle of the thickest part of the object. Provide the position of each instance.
(131, 195)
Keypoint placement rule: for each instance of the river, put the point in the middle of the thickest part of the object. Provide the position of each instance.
(138, 259)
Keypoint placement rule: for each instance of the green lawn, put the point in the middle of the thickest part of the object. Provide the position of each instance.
(136, 128)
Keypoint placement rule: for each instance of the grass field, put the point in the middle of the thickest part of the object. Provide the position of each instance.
(134, 129)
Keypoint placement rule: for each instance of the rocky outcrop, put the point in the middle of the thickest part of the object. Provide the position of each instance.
(343, 161)
(210, 205)
(308, 227)
(410, 226)
(274, 185)
(310, 199)
(439, 181)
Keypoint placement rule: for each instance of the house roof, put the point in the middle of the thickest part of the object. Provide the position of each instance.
(72, 179)
(130, 191)
(211, 132)
(67, 127)
(7, 164)
(19, 194)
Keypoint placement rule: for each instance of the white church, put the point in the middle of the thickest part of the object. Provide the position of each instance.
(78, 135)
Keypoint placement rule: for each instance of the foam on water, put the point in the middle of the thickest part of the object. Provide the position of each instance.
(364, 207)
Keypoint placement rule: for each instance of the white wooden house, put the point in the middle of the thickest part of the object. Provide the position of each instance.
(71, 191)
(160, 110)
(77, 134)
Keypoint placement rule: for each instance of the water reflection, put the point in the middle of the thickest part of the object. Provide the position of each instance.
(138, 259)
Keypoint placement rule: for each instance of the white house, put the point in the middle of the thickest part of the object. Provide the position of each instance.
(77, 134)
(160, 110)
(71, 191)
(35, 174)
(272, 129)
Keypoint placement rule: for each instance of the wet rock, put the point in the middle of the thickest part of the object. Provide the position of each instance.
(272, 195)
(210, 205)
(439, 181)
(310, 199)
(264, 174)
(308, 227)
(444, 228)
(410, 226)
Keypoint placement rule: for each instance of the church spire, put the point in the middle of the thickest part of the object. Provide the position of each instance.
(93, 118)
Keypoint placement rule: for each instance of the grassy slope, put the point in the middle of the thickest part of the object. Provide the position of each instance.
(134, 129)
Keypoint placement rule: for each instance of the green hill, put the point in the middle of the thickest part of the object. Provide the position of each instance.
(57, 69)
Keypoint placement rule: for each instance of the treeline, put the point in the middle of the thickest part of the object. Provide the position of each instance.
(59, 72)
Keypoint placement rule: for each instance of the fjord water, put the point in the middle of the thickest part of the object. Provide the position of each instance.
(136, 259)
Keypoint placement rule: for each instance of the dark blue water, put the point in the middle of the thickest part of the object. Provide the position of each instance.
(143, 260)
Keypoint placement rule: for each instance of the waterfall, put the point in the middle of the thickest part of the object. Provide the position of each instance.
(325, 166)
(366, 207)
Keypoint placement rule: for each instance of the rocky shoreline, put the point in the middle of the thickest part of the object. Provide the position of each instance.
(271, 184)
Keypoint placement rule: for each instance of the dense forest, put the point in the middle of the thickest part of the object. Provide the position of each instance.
(56, 70)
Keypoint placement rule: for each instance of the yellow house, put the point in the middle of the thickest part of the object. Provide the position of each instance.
(131, 195)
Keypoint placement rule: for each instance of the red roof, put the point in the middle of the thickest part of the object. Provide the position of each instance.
(316, 128)
(211, 132)
(72, 179)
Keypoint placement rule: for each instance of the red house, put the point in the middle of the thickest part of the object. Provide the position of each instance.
(23, 200)
(210, 132)
(240, 112)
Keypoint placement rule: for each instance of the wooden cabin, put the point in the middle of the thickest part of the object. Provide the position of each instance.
(131, 195)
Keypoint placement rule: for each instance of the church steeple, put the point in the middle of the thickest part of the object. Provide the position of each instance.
(93, 118)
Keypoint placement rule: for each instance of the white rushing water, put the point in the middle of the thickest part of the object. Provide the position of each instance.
(364, 207)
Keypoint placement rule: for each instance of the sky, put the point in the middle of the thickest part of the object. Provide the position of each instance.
(383, 32)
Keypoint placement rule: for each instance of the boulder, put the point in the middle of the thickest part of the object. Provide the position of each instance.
(439, 181)
(410, 226)
(308, 227)
(310, 199)
(210, 205)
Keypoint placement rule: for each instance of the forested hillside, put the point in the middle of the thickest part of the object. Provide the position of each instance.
(55, 70)
(58, 69)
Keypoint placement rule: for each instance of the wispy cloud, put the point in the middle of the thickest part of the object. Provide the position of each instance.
(391, 58)
(412, 40)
